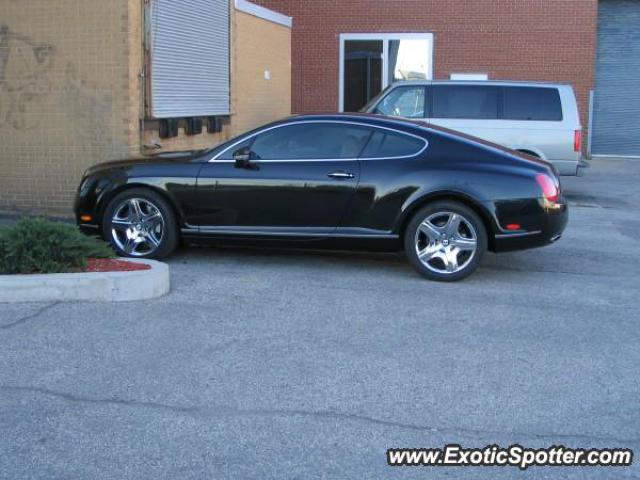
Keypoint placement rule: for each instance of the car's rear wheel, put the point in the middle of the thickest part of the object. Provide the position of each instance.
(140, 223)
(445, 241)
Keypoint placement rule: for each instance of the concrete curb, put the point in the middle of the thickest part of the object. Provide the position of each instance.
(88, 287)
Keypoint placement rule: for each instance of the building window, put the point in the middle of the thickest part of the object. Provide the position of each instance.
(362, 72)
(409, 59)
(371, 62)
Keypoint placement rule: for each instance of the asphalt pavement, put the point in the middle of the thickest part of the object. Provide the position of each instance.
(266, 363)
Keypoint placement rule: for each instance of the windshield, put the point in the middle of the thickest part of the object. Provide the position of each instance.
(367, 108)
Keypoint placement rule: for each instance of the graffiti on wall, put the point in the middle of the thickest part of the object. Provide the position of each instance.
(25, 66)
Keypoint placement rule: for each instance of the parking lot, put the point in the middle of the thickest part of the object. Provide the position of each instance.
(291, 364)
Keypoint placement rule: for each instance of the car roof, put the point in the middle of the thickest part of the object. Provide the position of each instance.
(373, 119)
(366, 118)
(395, 123)
(503, 83)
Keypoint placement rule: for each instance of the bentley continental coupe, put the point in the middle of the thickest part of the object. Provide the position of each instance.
(369, 180)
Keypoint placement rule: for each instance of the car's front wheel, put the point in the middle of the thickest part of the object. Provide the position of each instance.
(445, 241)
(140, 223)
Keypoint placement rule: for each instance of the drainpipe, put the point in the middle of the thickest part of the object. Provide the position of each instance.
(590, 127)
(144, 6)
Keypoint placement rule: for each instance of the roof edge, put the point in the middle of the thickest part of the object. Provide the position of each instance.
(264, 13)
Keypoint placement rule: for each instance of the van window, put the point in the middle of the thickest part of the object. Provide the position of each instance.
(531, 103)
(465, 101)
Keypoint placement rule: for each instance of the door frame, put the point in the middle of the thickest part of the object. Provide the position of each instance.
(384, 37)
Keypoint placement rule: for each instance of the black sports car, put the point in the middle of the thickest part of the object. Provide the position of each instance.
(374, 181)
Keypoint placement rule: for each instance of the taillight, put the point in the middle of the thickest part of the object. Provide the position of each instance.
(550, 188)
(577, 140)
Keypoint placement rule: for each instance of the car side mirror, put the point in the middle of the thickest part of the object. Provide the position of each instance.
(243, 157)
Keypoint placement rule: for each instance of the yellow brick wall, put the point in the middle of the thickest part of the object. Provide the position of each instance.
(70, 93)
(259, 46)
(64, 83)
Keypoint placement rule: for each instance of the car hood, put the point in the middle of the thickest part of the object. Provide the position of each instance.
(163, 158)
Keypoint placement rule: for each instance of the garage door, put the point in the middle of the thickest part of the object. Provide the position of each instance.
(189, 50)
(616, 108)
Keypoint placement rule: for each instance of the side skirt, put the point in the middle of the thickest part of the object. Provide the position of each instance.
(350, 238)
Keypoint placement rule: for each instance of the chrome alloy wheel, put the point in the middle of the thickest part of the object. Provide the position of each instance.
(446, 242)
(137, 227)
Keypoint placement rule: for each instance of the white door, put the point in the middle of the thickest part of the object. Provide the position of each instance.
(369, 62)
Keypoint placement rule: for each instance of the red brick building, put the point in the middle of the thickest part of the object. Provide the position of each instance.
(507, 39)
(545, 40)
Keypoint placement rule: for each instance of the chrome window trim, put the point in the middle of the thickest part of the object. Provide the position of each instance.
(349, 122)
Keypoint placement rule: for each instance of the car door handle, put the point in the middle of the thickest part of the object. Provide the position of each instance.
(341, 175)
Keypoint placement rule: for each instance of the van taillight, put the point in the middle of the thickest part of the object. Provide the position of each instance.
(577, 140)
(550, 189)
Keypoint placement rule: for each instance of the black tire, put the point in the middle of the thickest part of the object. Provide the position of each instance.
(168, 240)
(470, 226)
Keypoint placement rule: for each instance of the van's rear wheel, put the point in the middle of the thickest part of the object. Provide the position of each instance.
(445, 241)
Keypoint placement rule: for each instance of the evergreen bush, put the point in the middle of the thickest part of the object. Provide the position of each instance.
(38, 245)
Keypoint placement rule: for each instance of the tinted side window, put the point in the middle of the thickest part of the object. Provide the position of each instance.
(531, 103)
(389, 144)
(465, 101)
(403, 102)
(228, 154)
(307, 141)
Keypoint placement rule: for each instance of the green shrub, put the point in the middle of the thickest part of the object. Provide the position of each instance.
(37, 245)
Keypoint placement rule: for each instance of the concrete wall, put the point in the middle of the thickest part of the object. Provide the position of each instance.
(71, 95)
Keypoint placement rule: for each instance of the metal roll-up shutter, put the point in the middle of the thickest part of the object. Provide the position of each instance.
(189, 58)
(616, 108)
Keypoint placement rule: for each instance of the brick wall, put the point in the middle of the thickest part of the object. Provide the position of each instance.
(70, 93)
(547, 40)
(259, 46)
(70, 97)
(64, 104)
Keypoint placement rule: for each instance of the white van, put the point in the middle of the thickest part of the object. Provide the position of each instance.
(540, 119)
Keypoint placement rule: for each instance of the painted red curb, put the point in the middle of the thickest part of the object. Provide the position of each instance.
(113, 265)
